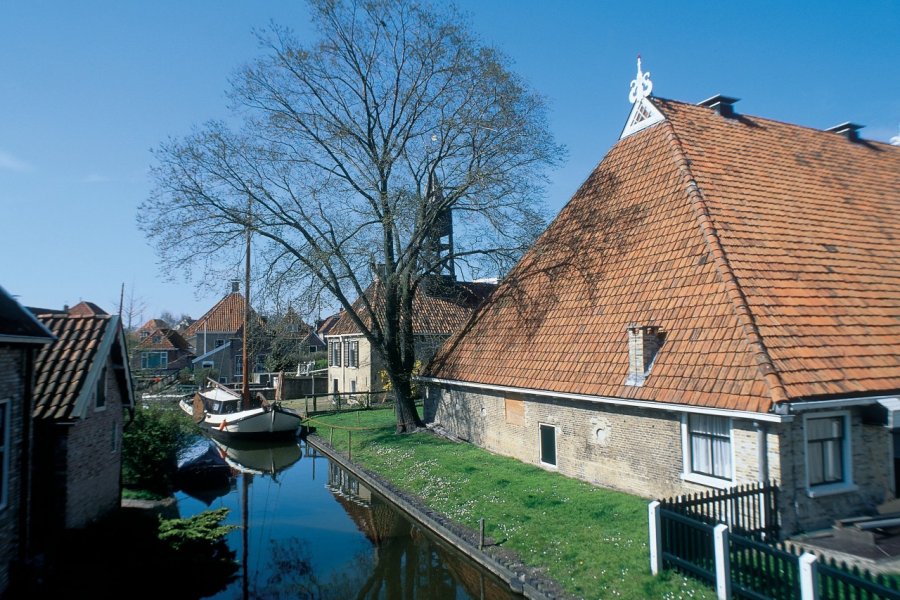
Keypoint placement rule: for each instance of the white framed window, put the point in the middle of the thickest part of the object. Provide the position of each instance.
(548, 444)
(707, 449)
(154, 360)
(114, 441)
(827, 444)
(352, 353)
(4, 452)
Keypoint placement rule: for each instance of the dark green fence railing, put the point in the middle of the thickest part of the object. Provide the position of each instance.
(840, 582)
(761, 571)
(687, 545)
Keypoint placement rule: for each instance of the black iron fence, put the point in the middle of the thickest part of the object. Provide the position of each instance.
(727, 538)
(750, 509)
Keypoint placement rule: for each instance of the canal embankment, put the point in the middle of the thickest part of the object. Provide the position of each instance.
(553, 536)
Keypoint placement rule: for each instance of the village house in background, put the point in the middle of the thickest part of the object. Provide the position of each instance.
(719, 303)
(82, 397)
(21, 337)
(160, 349)
(216, 338)
(440, 306)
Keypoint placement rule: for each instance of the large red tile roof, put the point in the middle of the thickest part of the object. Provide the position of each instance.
(437, 309)
(62, 367)
(226, 316)
(766, 252)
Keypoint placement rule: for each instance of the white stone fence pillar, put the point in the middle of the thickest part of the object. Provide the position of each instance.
(656, 562)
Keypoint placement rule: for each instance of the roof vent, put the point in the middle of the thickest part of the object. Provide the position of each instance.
(848, 130)
(644, 341)
(724, 105)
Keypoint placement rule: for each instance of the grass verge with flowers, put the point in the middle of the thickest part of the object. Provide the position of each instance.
(591, 540)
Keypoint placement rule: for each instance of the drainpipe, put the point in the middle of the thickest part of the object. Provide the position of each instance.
(762, 449)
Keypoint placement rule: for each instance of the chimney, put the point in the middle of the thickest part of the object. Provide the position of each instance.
(724, 105)
(644, 342)
(235, 286)
(848, 130)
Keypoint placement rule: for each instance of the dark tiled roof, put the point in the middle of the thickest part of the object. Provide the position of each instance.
(86, 309)
(438, 308)
(326, 325)
(62, 367)
(766, 252)
(18, 325)
(169, 339)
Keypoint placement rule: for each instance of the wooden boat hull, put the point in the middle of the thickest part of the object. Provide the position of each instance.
(264, 423)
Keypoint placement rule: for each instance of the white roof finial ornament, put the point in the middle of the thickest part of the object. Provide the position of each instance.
(895, 141)
(641, 86)
(643, 112)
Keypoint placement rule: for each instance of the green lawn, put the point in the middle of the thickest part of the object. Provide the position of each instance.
(593, 541)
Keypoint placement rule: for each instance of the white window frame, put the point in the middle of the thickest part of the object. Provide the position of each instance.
(547, 465)
(841, 487)
(5, 406)
(690, 476)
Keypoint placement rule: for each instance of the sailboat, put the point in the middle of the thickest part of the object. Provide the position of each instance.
(228, 414)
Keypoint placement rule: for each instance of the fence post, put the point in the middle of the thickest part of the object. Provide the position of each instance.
(809, 589)
(481, 533)
(723, 562)
(656, 562)
(349, 445)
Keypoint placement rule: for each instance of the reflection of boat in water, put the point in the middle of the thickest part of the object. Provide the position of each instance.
(218, 409)
(259, 457)
(202, 472)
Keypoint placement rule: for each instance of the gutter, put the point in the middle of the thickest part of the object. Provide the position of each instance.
(799, 407)
(669, 406)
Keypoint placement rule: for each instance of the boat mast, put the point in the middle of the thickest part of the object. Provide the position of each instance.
(245, 359)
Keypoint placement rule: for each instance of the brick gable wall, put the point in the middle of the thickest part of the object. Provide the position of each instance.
(93, 470)
(12, 388)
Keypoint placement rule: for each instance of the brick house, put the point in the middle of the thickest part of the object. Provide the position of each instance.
(719, 303)
(216, 337)
(21, 337)
(82, 394)
(160, 349)
(440, 306)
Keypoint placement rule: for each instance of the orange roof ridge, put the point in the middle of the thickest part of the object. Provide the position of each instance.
(732, 286)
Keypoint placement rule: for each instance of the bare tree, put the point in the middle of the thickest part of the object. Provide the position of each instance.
(353, 154)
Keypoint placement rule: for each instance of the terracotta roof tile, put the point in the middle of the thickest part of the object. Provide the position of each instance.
(163, 339)
(227, 316)
(766, 252)
(62, 366)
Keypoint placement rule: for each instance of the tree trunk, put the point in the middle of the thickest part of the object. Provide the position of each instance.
(408, 419)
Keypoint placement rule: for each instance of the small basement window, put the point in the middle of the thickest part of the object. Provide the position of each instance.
(548, 445)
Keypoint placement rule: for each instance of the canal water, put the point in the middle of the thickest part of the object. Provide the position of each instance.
(314, 531)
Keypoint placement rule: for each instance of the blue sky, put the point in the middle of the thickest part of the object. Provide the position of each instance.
(88, 88)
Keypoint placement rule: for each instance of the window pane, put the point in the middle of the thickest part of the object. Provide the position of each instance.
(548, 444)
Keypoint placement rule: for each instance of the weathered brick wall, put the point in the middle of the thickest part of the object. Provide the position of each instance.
(631, 449)
(12, 389)
(640, 451)
(93, 469)
(872, 456)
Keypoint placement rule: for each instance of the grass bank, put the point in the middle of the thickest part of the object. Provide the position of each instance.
(591, 540)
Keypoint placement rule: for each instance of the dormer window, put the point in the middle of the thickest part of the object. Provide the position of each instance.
(644, 341)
